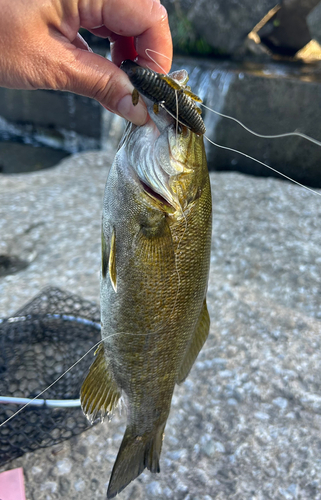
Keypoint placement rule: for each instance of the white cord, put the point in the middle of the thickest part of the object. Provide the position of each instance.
(51, 403)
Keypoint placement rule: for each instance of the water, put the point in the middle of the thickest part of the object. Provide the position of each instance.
(39, 128)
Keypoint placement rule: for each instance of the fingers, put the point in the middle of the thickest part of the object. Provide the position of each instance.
(100, 31)
(159, 42)
(144, 20)
(91, 75)
(133, 28)
(40, 47)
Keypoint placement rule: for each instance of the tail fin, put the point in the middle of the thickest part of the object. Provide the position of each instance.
(135, 453)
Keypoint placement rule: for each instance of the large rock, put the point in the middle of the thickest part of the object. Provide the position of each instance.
(246, 423)
(314, 23)
(287, 32)
(45, 108)
(223, 25)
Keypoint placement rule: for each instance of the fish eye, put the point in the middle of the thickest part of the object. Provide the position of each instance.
(179, 128)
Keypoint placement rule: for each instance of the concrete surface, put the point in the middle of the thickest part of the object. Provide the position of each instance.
(269, 99)
(52, 109)
(246, 423)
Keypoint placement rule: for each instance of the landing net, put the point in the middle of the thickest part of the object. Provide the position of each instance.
(37, 344)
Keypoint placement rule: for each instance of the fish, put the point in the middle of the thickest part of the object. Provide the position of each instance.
(156, 241)
(168, 91)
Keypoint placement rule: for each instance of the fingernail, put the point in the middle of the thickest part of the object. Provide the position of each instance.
(135, 114)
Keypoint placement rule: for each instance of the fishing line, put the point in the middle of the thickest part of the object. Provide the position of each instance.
(256, 134)
(275, 136)
(176, 99)
(49, 386)
(263, 136)
(175, 253)
(176, 260)
(264, 164)
(252, 157)
(154, 61)
(182, 212)
(255, 159)
(122, 144)
(177, 121)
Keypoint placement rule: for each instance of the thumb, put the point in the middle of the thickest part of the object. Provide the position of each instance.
(83, 72)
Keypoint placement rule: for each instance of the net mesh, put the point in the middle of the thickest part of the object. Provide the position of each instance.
(42, 340)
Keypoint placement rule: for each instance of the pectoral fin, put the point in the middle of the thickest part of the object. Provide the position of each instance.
(156, 108)
(108, 259)
(197, 342)
(99, 392)
(154, 246)
(104, 255)
(112, 261)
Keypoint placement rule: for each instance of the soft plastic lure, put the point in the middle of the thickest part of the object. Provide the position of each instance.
(163, 90)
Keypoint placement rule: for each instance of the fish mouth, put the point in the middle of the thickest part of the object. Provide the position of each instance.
(150, 152)
(154, 195)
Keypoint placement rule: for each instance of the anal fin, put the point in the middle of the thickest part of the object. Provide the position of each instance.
(99, 393)
(196, 344)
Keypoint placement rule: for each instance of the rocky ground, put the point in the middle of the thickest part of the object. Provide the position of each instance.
(246, 423)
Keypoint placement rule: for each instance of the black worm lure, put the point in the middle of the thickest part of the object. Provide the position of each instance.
(167, 92)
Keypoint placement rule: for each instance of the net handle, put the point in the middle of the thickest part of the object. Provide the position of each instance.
(51, 403)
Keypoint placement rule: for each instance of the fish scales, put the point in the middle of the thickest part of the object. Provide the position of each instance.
(157, 88)
(156, 239)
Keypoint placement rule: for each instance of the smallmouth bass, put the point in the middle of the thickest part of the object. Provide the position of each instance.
(156, 239)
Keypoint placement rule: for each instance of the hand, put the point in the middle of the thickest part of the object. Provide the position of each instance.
(40, 47)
